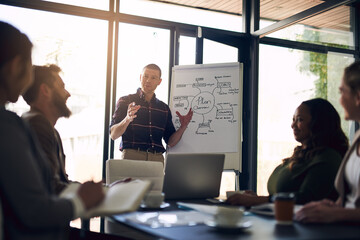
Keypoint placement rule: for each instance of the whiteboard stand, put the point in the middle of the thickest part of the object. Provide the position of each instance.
(237, 183)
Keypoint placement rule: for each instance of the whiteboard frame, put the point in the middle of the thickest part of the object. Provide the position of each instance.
(233, 161)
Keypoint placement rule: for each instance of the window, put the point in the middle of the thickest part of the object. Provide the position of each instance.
(215, 52)
(187, 50)
(294, 78)
(139, 46)
(82, 57)
(331, 28)
(176, 13)
(101, 5)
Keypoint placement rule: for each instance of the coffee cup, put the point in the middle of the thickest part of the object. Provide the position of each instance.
(228, 216)
(154, 199)
(284, 208)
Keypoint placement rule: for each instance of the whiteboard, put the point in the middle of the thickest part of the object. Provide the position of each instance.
(214, 93)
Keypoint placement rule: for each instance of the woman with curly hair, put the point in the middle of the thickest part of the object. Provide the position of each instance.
(310, 172)
(347, 182)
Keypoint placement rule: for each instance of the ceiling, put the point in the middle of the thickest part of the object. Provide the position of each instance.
(338, 18)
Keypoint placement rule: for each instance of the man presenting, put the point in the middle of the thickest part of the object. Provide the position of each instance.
(143, 121)
(47, 99)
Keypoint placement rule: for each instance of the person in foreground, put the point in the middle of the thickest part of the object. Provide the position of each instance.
(47, 99)
(309, 173)
(31, 209)
(143, 121)
(347, 182)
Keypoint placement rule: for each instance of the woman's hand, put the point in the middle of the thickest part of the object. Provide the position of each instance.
(324, 211)
(247, 199)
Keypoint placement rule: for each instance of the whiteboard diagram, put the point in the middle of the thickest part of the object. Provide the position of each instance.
(212, 91)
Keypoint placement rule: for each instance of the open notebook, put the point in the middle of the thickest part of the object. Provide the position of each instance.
(268, 209)
(119, 197)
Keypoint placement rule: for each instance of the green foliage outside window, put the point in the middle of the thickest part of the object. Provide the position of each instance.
(317, 64)
(327, 69)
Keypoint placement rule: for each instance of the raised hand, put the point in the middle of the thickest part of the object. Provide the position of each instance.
(185, 119)
(131, 111)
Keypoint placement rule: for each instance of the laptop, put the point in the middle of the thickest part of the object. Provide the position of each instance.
(193, 176)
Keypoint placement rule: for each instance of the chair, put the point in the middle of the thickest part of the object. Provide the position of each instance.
(117, 169)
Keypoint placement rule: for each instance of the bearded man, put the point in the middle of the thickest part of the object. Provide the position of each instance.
(47, 98)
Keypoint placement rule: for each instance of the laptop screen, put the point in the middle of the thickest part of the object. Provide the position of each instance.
(193, 176)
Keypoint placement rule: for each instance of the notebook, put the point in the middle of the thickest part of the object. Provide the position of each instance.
(193, 176)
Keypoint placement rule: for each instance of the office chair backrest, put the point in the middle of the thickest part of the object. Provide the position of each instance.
(117, 169)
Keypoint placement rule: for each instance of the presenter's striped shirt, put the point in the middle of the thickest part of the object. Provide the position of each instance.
(152, 124)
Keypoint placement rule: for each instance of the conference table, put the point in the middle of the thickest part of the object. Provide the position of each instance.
(259, 227)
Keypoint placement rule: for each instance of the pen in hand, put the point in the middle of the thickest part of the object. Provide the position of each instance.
(124, 180)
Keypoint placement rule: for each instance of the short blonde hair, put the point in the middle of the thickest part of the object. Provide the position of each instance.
(154, 67)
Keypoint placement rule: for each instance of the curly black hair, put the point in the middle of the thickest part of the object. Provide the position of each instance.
(326, 132)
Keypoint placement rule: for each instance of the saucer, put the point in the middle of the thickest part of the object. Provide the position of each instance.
(163, 205)
(266, 209)
(239, 225)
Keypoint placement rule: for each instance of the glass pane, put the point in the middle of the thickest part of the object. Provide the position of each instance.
(194, 16)
(81, 53)
(277, 10)
(297, 76)
(331, 28)
(97, 4)
(187, 50)
(215, 52)
(139, 46)
(228, 183)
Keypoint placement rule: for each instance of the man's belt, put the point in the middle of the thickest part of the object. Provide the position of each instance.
(149, 150)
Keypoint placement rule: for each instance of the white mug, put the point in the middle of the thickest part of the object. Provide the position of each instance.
(228, 216)
(154, 199)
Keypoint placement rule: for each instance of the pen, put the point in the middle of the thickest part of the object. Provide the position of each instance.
(125, 180)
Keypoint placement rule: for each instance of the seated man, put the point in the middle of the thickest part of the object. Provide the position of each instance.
(47, 99)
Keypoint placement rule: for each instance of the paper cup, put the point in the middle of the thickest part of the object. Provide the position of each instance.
(284, 208)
